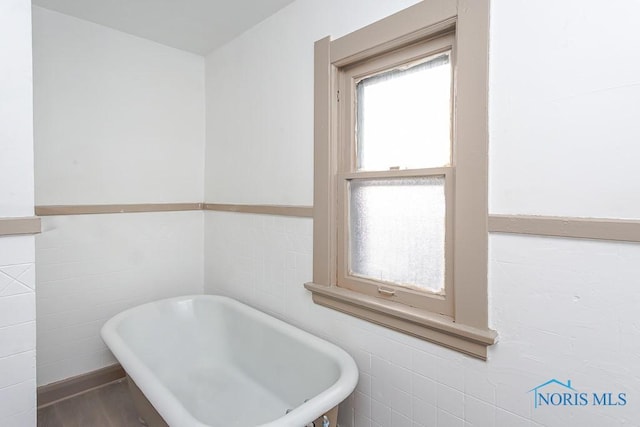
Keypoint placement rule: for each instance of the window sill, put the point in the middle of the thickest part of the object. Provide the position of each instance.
(442, 330)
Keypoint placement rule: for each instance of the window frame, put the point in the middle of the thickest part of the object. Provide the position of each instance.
(347, 172)
(465, 326)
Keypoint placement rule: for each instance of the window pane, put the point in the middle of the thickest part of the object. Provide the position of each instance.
(404, 117)
(397, 231)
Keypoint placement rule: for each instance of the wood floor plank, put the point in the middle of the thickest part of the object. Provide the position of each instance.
(76, 412)
(119, 405)
(47, 417)
(108, 406)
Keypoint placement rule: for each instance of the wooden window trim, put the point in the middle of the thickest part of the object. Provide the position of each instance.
(466, 329)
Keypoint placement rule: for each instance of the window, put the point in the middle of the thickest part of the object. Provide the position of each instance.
(400, 204)
(395, 178)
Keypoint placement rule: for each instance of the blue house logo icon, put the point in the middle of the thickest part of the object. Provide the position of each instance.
(540, 398)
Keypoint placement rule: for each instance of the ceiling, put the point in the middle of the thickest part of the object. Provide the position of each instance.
(197, 26)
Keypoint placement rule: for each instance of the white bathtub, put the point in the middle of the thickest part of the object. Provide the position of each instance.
(211, 361)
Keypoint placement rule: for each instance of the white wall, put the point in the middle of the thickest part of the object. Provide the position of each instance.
(260, 102)
(565, 97)
(17, 279)
(118, 119)
(16, 111)
(563, 84)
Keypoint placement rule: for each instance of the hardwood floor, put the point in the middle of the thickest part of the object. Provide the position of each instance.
(107, 406)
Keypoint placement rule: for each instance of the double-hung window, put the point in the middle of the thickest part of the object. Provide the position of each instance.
(395, 180)
(400, 205)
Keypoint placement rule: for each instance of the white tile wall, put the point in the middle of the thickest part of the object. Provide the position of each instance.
(118, 119)
(559, 313)
(17, 331)
(17, 272)
(18, 404)
(91, 267)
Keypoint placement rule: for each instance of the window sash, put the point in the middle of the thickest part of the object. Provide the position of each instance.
(348, 78)
(413, 115)
(441, 303)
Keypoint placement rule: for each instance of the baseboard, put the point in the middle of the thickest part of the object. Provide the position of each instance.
(60, 390)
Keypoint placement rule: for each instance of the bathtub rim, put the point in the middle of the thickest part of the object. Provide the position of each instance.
(174, 412)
